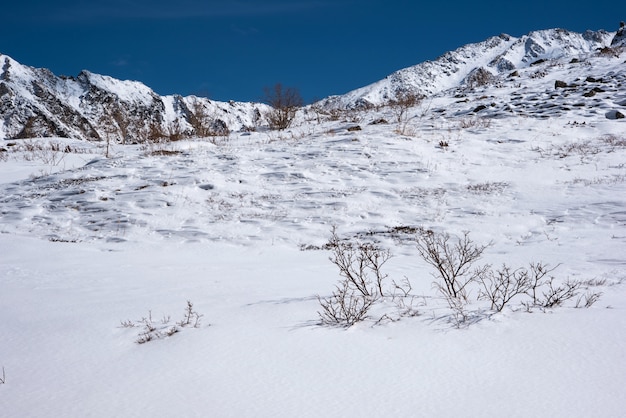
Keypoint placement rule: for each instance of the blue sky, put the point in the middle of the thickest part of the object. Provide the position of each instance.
(232, 49)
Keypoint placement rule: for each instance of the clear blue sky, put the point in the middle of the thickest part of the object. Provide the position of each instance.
(232, 49)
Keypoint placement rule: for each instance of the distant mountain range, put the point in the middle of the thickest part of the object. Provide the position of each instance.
(36, 103)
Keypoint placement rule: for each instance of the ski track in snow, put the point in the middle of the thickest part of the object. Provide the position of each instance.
(90, 241)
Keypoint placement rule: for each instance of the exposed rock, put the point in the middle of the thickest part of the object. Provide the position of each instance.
(614, 114)
(560, 84)
(502, 64)
(478, 77)
(620, 37)
(479, 108)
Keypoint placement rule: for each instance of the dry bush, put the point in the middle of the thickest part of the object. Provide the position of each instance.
(588, 299)
(500, 286)
(152, 330)
(453, 261)
(175, 130)
(285, 102)
(360, 266)
(475, 122)
(345, 307)
(614, 141)
(582, 149)
(404, 101)
(487, 188)
(555, 295)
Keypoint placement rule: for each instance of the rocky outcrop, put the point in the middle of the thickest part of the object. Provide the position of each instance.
(619, 40)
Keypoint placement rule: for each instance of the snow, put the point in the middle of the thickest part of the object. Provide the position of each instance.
(88, 243)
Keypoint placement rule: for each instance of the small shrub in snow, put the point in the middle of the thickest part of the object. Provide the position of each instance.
(588, 299)
(151, 330)
(345, 307)
(3, 379)
(191, 318)
(361, 285)
(475, 122)
(452, 261)
(456, 277)
(500, 286)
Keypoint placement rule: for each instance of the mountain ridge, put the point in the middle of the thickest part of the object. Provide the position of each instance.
(497, 56)
(36, 103)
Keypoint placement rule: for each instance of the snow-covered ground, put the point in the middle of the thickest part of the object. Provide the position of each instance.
(235, 225)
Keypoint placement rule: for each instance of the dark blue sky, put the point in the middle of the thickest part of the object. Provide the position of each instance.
(232, 49)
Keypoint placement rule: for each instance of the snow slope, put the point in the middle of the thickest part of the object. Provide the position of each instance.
(90, 246)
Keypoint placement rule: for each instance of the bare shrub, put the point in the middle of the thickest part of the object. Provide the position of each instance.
(403, 101)
(460, 315)
(3, 380)
(556, 295)
(475, 122)
(582, 149)
(191, 317)
(588, 299)
(614, 141)
(151, 330)
(204, 124)
(452, 261)
(538, 272)
(175, 130)
(502, 285)
(406, 302)
(488, 187)
(345, 307)
(361, 285)
(285, 102)
(155, 131)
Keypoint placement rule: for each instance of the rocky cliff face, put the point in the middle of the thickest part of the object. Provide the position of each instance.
(36, 103)
(473, 64)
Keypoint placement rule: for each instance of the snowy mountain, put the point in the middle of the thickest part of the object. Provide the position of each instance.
(102, 247)
(475, 64)
(36, 103)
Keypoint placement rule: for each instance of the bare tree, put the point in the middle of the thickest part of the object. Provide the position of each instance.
(403, 101)
(285, 102)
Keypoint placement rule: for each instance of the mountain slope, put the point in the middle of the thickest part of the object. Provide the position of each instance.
(474, 64)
